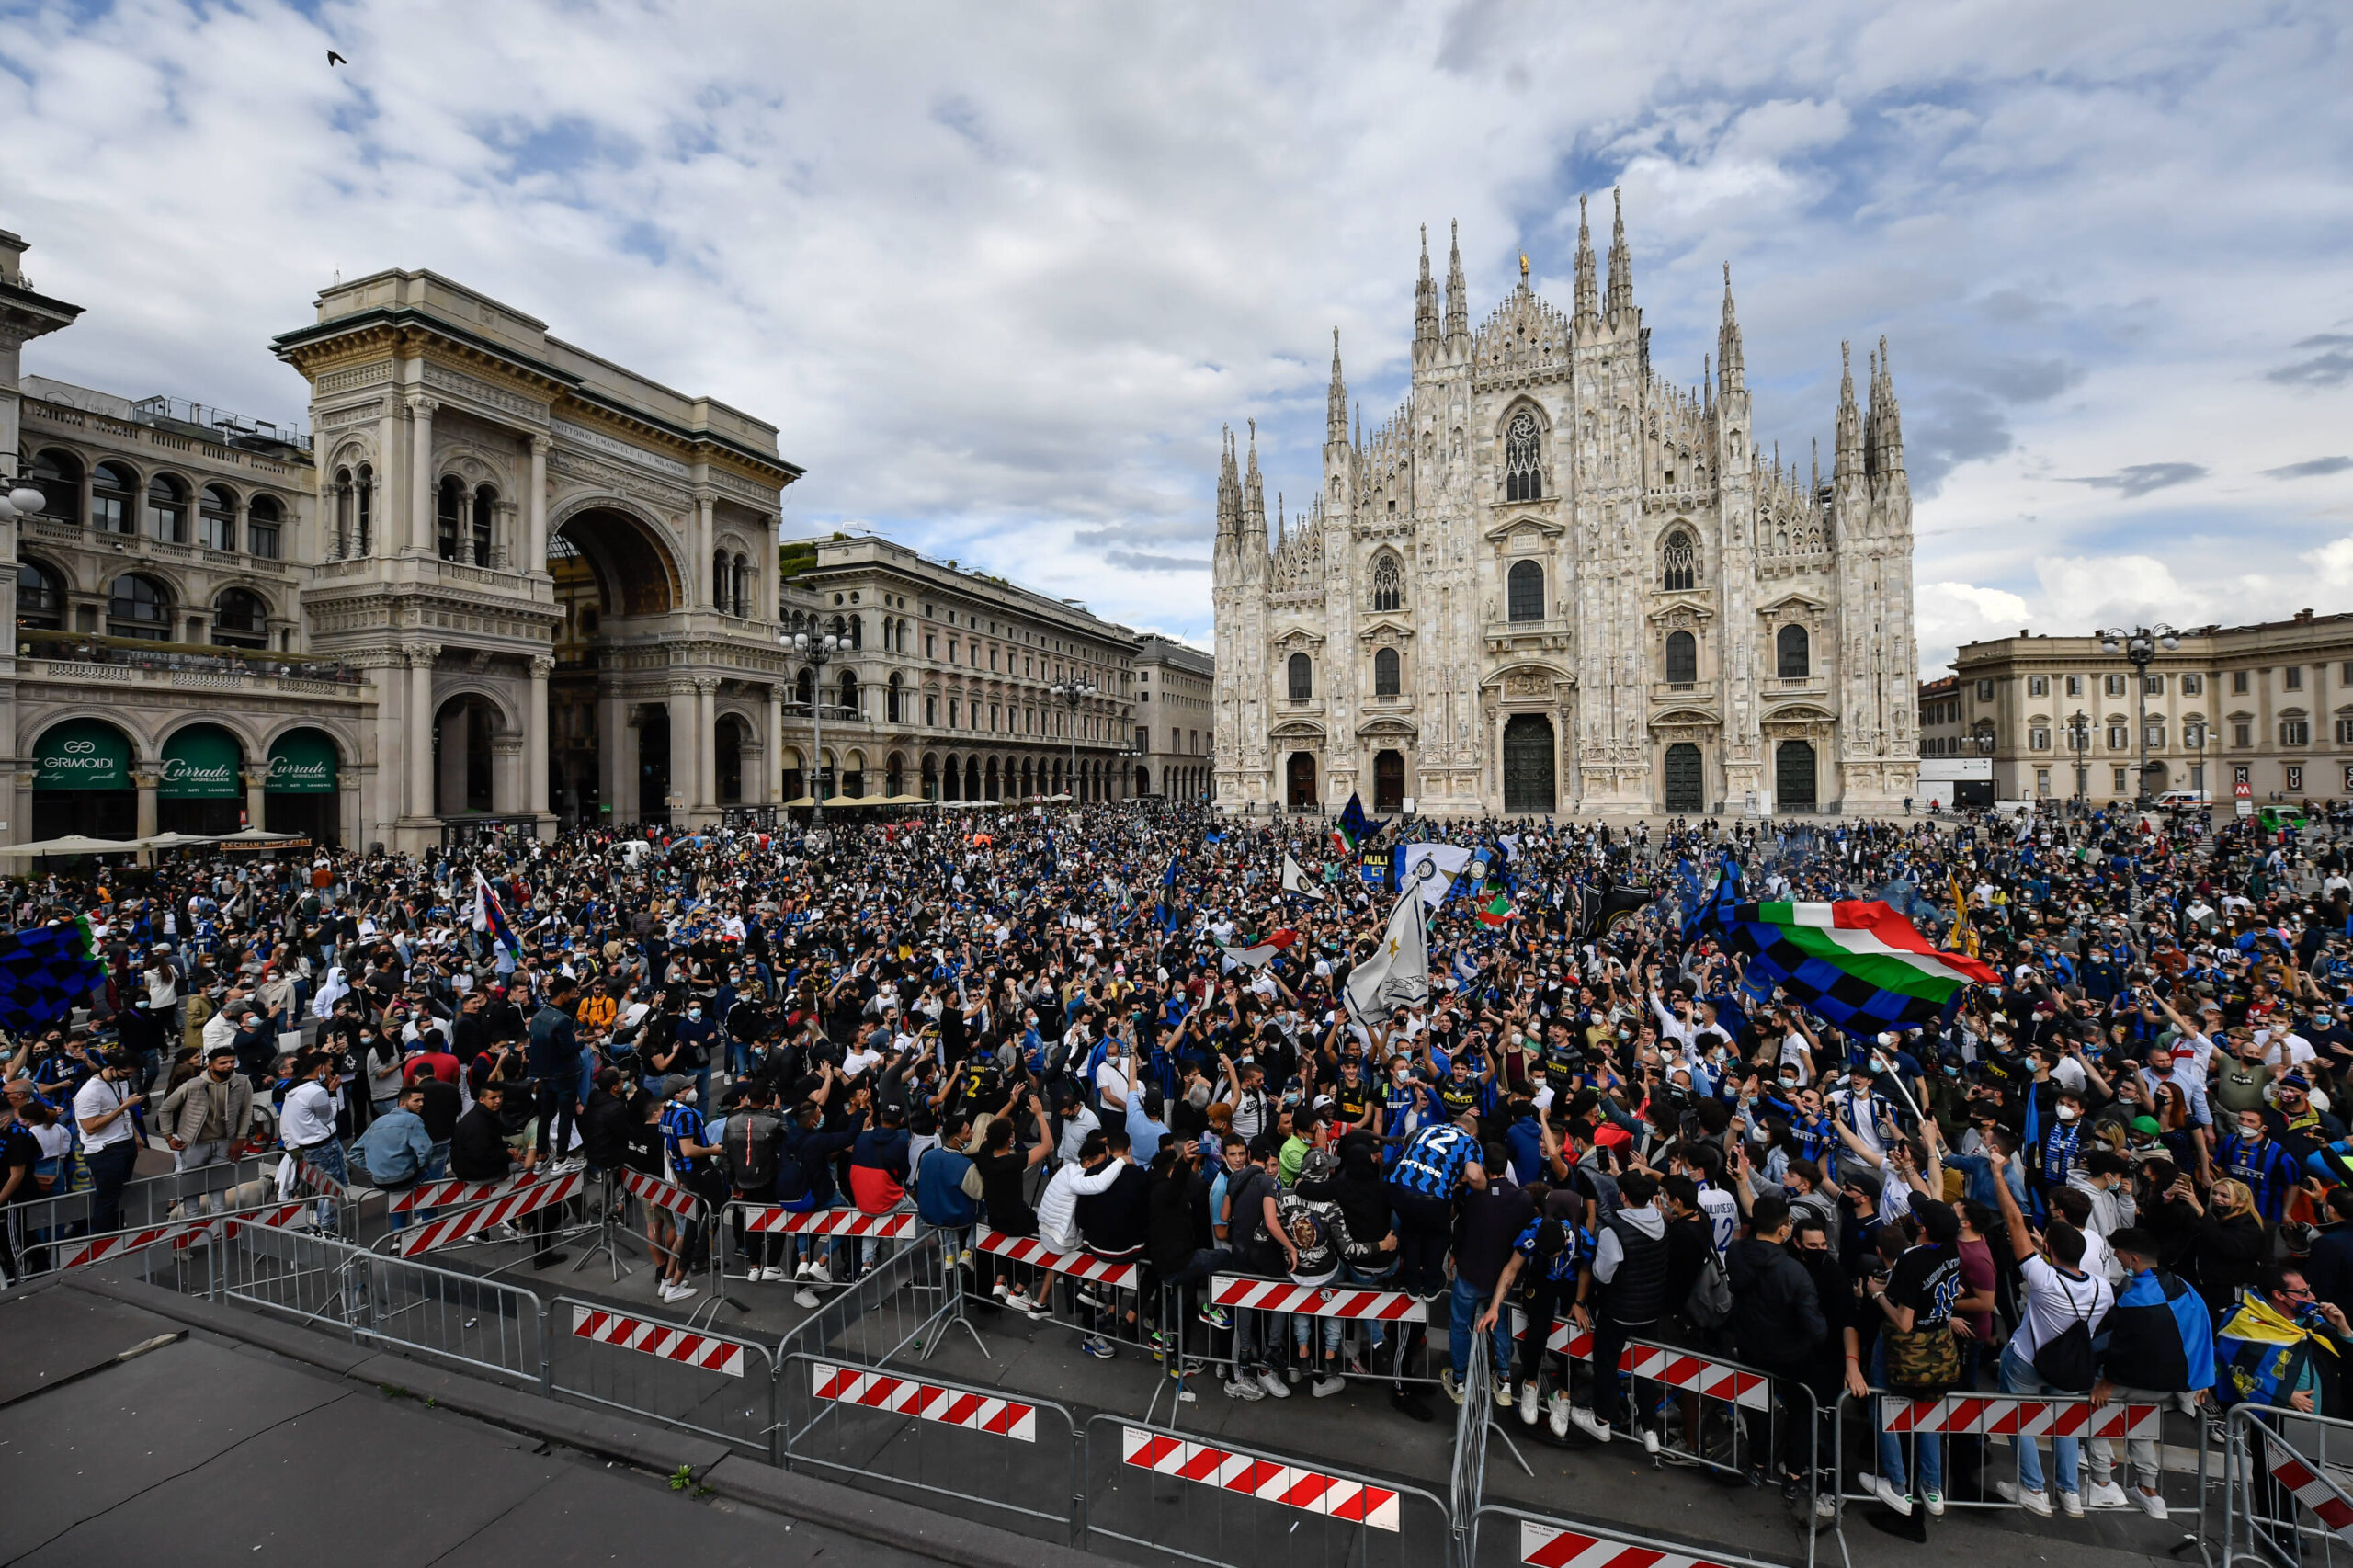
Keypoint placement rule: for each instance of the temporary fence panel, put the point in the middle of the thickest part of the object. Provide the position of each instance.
(894, 1306)
(1500, 1537)
(149, 1201)
(982, 1453)
(447, 1230)
(1237, 1507)
(2287, 1489)
(700, 1381)
(484, 1326)
(281, 1268)
(755, 1233)
(451, 1194)
(662, 1194)
(1077, 1290)
(1075, 1265)
(1377, 1331)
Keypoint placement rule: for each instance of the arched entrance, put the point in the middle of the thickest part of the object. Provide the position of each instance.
(1685, 792)
(727, 754)
(1300, 774)
(1144, 781)
(1794, 777)
(464, 773)
(988, 782)
(973, 778)
(1388, 782)
(302, 791)
(2154, 779)
(610, 569)
(200, 787)
(652, 762)
(1530, 785)
(82, 782)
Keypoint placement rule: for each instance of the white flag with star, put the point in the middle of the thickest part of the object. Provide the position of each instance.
(1399, 974)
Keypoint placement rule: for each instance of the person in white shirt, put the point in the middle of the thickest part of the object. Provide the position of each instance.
(306, 1128)
(102, 1109)
(1058, 1205)
(2060, 1293)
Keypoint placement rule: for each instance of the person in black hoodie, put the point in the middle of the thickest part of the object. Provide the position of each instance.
(1624, 1293)
(1775, 1323)
(1115, 1224)
(1835, 1365)
(1369, 1256)
(1176, 1252)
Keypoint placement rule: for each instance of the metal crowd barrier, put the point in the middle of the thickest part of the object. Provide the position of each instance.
(902, 1303)
(1013, 1458)
(1398, 1317)
(484, 1325)
(697, 1379)
(149, 1201)
(1233, 1507)
(2288, 1488)
(1087, 1294)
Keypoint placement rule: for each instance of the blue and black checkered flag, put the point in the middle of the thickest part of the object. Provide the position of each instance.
(45, 973)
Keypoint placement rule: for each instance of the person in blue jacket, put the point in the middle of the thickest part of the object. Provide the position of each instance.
(2155, 1344)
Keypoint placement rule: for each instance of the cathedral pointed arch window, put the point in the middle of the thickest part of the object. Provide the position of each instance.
(1388, 584)
(1680, 563)
(1523, 459)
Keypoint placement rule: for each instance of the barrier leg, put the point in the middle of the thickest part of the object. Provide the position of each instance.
(951, 1252)
(612, 1230)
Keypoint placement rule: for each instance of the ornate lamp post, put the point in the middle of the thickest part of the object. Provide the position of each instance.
(1070, 694)
(2079, 741)
(817, 651)
(2139, 647)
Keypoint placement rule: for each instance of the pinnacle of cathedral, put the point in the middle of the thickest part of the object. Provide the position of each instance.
(1621, 261)
(1886, 438)
(1425, 298)
(1335, 400)
(1229, 485)
(1847, 453)
(1588, 305)
(1254, 490)
(1458, 297)
(1728, 343)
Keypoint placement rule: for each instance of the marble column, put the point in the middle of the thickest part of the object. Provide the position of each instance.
(534, 739)
(257, 781)
(419, 738)
(420, 479)
(681, 700)
(704, 590)
(535, 510)
(772, 767)
(706, 795)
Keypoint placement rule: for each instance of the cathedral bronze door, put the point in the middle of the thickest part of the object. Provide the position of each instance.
(1686, 795)
(1529, 754)
(1302, 781)
(1388, 782)
(1794, 788)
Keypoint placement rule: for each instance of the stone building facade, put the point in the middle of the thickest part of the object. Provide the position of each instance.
(1554, 580)
(1176, 718)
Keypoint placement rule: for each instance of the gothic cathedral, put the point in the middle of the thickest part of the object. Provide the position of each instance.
(1552, 582)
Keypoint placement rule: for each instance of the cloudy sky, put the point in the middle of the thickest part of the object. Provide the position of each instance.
(1000, 275)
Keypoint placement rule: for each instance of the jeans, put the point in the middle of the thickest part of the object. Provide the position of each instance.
(555, 1106)
(1374, 1279)
(1462, 1315)
(2018, 1377)
(196, 1156)
(1928, 1446)
(110, 1169)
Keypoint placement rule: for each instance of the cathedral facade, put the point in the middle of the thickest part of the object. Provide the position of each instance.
(1553, 581)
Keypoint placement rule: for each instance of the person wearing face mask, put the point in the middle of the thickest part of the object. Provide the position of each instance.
(2059, 1154)
(2254, 1158)
(697, 1038)
(207, 1114)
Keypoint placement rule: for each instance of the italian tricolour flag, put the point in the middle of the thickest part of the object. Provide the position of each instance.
(1874, 944)
(1259, 954)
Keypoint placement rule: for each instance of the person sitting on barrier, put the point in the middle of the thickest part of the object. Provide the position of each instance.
(395, 1153)
(482, 1151)
(748, 1157)
(1251, 1221)
(1003, 1168)
(1178, 1253)
(947, 1187)
(305, 1127)
(2157, 1347)
(1114, 1224)
(1624, 1292)
(1436, 1164)
(1311, 1233)
(804, 1175)
(2062, 1308)
(879, 1169)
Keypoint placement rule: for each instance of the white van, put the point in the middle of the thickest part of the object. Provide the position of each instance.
(2173, 797)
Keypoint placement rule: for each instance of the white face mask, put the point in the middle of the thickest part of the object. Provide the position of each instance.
(686, 1096)
(2066, 1113)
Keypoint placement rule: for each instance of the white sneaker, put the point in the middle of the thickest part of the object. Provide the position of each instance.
(1877, 1485)
(1527, 1403)
(2036, 1501)
(1505, 1399)
(1650, 1442)
(1936, 1503)
(679, 1292)
(2105, 1495)
(1592, 1425)
(1002, 1289)
(1326, 1386)
(1557, 1416)
(2071, 1504)
(2151, 1503)
(805, 1299)
(1273, 1384)
(1243, 1388)
(1446, 1380)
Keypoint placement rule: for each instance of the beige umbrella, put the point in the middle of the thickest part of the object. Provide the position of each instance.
(248, 835)
(75, 843)
(173, 841)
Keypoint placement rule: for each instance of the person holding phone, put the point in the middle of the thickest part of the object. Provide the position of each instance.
(103, 1108)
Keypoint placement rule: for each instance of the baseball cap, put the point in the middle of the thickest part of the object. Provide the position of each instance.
(1320, 1164)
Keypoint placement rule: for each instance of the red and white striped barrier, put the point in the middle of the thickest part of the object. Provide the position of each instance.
(665, 1340)
(1306, 1490)
(661, 1194)
(1077, 1265)
(471, 1223)
(276, 1217)
(310, 1178)
(828, 1222)
(1552, 1546)
(903, 1396)
(2327, 1504)
(1316, 1301)
(2020, 1415)
(97, 1249)
(445, 1194)
(1662, 1364)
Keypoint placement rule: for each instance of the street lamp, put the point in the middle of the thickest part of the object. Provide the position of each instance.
(2139, 647)
(23, 501)
(1070, 694)
(2079, 741)
(818, 652)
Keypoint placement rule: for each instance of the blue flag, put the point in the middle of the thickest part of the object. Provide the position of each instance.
(45, 973)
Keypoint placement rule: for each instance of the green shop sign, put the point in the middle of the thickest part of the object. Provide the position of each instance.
(303, 763)
(202, 762)
(83, 754)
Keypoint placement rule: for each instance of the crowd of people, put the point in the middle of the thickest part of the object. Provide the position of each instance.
(2115, 1173)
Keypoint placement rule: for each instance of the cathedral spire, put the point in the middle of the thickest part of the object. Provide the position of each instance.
(1335, 402)
(1588, 301)
(1282, 530)
(1425, 300)
(1229, 487)
(1622, 262)
(1887, 423)
(1846, 452)
(1254, 490)
(1728, 343)
(1458, 303)
(1707, 384)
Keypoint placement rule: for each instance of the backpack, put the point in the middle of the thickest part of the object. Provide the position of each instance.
(1710, 1303)
(791, 1180)
(2064, 1362)
(747, 1150)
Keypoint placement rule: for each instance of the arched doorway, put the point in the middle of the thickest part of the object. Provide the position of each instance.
(988, 782)
(1793, 781)
(973, 778)
(464, 772)
(302, 791)
(1144, 781)
(1529, 782)
(895, 775)
(1300, 776)
(1685, 793)
(2154, 779)
(652, 762)
(200, 787)
(610, 570)
(727, 752)
(82, 782)
(1388, 782)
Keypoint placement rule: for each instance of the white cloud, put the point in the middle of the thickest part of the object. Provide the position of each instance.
(1000, 278)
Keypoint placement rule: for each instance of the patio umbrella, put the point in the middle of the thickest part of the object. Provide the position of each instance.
(74, 844)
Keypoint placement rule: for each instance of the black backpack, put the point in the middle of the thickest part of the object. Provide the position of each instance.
(747, 1150)
(2065, 1361)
